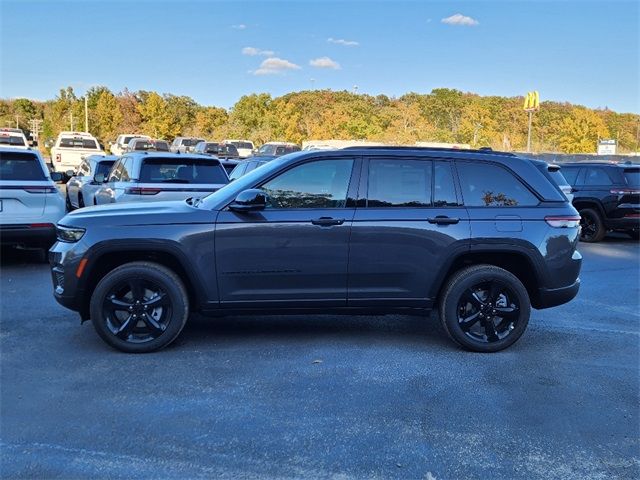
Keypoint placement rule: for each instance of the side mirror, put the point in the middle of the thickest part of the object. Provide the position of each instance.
(99, 178)
(57, 177)
(69, 173)
(249, 200)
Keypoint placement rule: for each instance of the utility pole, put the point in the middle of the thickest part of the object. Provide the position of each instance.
(86, 115)
(35, 124)
(529, 131)
(71, 120)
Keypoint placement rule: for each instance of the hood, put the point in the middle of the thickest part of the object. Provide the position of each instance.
(139, 213)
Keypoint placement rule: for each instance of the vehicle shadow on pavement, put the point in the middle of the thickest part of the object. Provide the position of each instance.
(423, 330)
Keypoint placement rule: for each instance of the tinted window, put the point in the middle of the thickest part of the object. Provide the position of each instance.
(125, 169)
(444, 190)
(104, 167)
(486, 185)
(279, 150)
(243, 145)
(571, 174)
(632, 176)
(126, 140)
(20, 166)
(238, 171)
(597, 176)
(321, 184)
(179, 170)
(267, 150)
(557, 176)
(399, 183)
(115, 172)
(12, 140)
(78, 143)
(252, 166)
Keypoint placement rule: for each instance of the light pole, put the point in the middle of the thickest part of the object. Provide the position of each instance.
(531, 104)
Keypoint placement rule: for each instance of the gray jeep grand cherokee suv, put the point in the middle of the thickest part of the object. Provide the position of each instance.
(482, 236)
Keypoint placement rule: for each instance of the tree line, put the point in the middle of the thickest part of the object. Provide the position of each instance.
(444, 115)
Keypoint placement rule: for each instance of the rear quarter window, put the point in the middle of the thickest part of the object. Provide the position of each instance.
(632, 176)
(20, 166)
(490, 185)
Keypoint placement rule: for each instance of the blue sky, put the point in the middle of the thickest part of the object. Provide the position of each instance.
(583, 52)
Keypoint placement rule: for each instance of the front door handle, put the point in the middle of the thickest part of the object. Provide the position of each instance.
(327, 221)
(443, 220)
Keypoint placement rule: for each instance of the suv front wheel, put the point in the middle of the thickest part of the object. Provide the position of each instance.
(139, 307)
(484, 308)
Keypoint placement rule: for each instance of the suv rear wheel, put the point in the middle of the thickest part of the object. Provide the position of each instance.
(592, 227)
(139, 307)
(484, 308)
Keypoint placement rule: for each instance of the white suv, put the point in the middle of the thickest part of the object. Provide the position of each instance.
(156, 176)
(30, 202)
(245, 147)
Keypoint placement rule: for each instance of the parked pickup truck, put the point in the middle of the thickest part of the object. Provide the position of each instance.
(71, 148)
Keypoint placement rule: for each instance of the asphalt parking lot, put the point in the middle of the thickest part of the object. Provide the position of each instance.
(325, 397)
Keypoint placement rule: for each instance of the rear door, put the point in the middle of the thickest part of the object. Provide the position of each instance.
(23, 188)
(406, 226)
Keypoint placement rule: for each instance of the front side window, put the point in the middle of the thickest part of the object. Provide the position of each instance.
(319, 184)
(487, 185)
(399, 183)
(103, 167)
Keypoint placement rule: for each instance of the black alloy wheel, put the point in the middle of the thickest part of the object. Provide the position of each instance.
(139, 307)
(488, 311)
(591, 226)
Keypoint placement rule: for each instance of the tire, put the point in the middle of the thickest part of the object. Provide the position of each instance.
(467, 315)
(68, 203)
(592, 226)
(157, 325)
(80, 201)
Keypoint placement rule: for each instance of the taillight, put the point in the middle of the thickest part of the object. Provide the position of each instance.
(624, 191)
(58, 157)
(142, 191)
(563, 221)
(42, 225)
(38, 189)
(632, 215)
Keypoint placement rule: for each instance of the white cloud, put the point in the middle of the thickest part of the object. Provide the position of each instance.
(341, 41)
(459, 19)
(324, 62)
(274, 66)
(240, 26)
(252, 52)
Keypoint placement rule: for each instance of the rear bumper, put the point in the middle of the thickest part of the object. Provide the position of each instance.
(552, 297)
(29, 235)
(628, 223)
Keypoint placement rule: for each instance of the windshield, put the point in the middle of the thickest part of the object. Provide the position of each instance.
(104, 167)
(182, 170)
(267, 150)
(632, 176)
(20, 166)
(78, 142)
(12, 140)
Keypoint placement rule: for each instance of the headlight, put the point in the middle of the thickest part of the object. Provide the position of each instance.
(69, 234)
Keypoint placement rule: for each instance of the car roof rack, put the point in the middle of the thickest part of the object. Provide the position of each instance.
(484, 150)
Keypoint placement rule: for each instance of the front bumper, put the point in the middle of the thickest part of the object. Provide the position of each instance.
(67, 289)
(42, 236)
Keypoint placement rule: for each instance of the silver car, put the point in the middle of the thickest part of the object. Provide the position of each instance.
(185, 144)
(82, 187)
(158, 176)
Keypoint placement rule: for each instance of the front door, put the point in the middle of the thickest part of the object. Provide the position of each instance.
(294, 253)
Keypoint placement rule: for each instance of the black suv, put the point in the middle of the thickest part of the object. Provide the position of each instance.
(483, 236)
(607, 195)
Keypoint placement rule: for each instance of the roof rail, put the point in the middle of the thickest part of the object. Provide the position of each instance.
(483, 150)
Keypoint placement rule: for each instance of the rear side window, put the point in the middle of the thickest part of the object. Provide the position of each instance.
(632, 176)
(168, 170)
(487, 185)
(597, 176)
(20, 166)
(399, 183)
(444, 190)
(557, 176)
(12, 140)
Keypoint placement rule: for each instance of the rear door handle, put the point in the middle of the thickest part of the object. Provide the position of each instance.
(443, 220)
(327, 221)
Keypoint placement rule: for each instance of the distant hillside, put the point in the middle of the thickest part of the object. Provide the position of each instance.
(444, 115)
